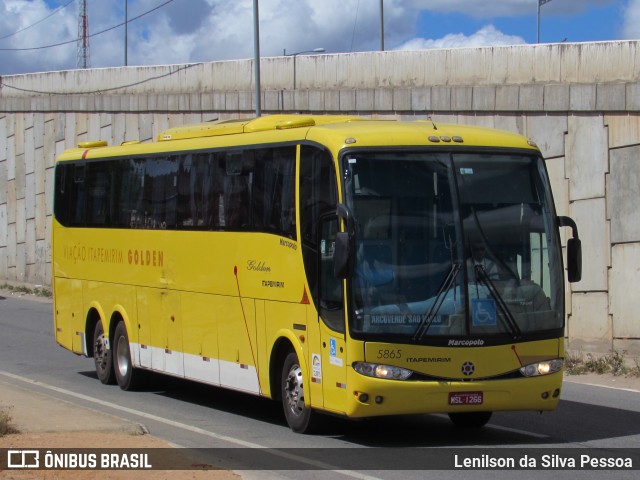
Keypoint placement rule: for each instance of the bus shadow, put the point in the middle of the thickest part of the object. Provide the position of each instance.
(572, 422)
(208, 396)
(217, 398)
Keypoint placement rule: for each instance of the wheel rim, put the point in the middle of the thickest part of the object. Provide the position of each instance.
(293, 390)
(122, 356)
(101, 352)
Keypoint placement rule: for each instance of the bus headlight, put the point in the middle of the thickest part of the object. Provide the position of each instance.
(542, 368)
(382, 371)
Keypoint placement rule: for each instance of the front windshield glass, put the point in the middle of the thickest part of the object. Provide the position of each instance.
(453, 245)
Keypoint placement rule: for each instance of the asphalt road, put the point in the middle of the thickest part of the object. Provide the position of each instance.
(590, 420)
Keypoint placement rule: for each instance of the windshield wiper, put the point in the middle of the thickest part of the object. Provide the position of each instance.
(428, 319)
(508, 319)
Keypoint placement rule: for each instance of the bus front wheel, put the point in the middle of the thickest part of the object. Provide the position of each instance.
(470, 419)
(301, 419)
(102, 356)
(126, 376)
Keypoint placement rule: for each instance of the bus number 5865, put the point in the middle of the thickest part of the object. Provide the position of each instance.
(389, 354)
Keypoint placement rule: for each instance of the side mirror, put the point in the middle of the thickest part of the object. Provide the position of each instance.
(574, 250)
(344, 256)
(342, 259)
(574, 260)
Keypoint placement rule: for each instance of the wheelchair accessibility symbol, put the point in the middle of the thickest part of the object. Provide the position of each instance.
(483, 312)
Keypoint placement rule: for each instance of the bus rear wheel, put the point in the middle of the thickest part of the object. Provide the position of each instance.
(128, 378)
(102, 356)
(301, 419)
(470, 419)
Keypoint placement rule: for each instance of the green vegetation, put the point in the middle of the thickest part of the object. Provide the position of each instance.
(37, 291)
(614, 363)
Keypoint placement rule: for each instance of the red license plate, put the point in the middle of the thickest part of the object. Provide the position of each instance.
(466, 398)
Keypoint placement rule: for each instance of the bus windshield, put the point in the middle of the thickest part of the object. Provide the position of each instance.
(453, 245)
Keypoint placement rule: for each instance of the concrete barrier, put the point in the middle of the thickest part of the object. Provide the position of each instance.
(579, 102)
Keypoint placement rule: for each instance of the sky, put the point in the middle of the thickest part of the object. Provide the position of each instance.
(41, 35)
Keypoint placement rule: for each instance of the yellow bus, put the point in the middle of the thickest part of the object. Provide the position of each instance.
(339, 265)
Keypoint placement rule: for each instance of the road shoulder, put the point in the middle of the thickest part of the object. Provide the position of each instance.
(44, 422)
(606, 380)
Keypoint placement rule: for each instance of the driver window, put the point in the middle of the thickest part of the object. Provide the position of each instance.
(331, 294)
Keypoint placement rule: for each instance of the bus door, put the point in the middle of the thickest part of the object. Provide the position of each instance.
(318, 197)
(331, 309)
(68, 314)
(160, 331)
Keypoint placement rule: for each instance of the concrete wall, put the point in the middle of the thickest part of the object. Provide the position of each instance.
(579, 102)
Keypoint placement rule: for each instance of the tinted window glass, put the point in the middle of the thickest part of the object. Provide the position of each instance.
(250, 190)
(274, 190)
(318, 196)
(196, 199)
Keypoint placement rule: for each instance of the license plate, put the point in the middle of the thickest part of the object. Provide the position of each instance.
(466, 398)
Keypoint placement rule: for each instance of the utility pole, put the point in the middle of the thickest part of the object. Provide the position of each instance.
(126, 32)
(256, 51)
(382, 25)
(83, 36)
(540, 3)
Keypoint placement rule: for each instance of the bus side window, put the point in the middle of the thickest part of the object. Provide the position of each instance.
(161, 185)
(69, 196)
(234, 189)
(99, 191)
(196, 197)
(130, 205)
(273, 191)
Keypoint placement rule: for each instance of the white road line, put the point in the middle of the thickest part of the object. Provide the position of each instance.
(603, 386)
(506, 429)
(148, 416)
(184, 426)
(515, 430)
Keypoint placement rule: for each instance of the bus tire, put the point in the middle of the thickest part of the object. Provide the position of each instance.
(102, 356)
(128, 378)
(470, 419)
(301, 419)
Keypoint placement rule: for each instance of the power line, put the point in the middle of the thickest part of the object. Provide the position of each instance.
(355, 23)
(39, 21)
(90, 36)
(97, 92)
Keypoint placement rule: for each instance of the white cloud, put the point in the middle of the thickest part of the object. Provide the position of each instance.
(631, 26)
(486, 36)
(505, 8)
(196, 30)
(19, 14)
(477, 8)
(226, 31)
(205, 30)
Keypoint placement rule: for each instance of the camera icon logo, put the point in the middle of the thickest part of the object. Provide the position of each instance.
(23, 459)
